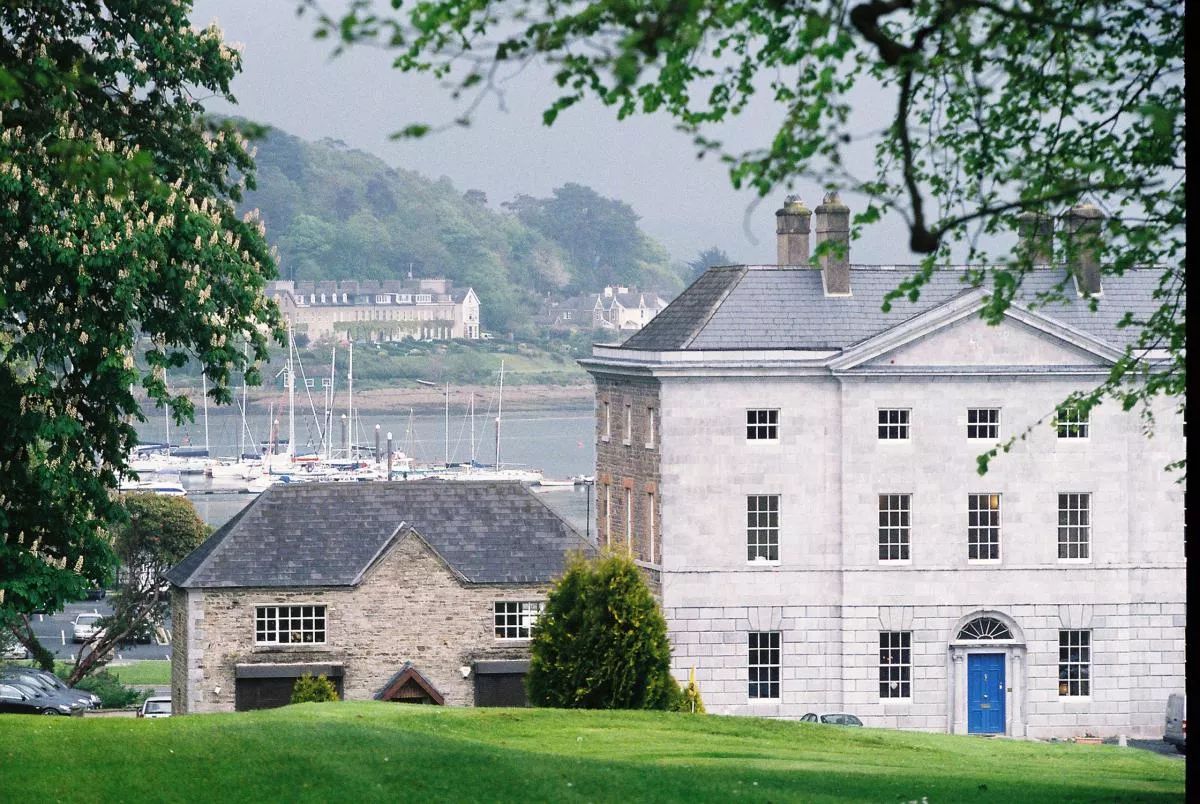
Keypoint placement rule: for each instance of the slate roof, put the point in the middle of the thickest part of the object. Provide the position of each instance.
(768, 307)
(329, 534)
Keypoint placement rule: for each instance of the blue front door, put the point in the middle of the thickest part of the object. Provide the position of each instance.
(985, 693)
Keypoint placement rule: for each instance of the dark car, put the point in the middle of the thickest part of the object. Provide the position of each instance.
(835, 719)
(23, 700)
(50, 684)
(96, 593)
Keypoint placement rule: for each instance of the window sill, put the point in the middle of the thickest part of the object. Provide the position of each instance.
(1075, 561)
(886, 701)
(515, 640)
(763, 562)
(605, 439)
(902, 562)
(764, 441)
(627, 442)
(985, 562)
(648, 446)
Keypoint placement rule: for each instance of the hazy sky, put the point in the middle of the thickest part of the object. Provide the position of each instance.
(688, 204)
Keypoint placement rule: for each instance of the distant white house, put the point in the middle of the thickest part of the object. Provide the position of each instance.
(796, 470)
(615, 308)
(388, 310)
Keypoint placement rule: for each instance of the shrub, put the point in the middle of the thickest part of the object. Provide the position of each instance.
(313, 690)
(601, 642)
(689, 697)
(113, 694)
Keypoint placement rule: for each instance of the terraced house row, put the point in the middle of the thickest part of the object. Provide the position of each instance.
(797, 472)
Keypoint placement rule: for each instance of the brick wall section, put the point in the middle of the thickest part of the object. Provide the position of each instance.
(629, 461)
(410, 607)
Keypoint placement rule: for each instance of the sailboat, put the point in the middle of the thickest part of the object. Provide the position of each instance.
(476, 471)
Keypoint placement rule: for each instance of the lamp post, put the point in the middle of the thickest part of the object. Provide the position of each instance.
(389, 456)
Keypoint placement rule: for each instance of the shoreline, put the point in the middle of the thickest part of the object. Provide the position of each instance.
(421, 400)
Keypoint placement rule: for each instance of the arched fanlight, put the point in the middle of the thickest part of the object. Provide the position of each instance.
(985, 628)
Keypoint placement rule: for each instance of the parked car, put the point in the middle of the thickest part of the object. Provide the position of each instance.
(15, 651)
(835, 719)
(96, 593)
(22, 700)
(50, 684)
(1175, 732)
(86, 626)
(156, 706)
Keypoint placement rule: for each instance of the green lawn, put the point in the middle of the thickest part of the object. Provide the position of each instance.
(143, 671)
(388, 752)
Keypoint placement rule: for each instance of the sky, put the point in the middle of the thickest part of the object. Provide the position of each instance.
(687, 204)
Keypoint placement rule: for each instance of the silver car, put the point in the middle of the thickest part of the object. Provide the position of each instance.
(156, 706)
(86, 626)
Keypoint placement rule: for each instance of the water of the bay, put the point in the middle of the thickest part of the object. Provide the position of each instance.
(560, 442)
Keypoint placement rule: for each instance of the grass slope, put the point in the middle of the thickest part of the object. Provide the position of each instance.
(143, 671)
(377, 752)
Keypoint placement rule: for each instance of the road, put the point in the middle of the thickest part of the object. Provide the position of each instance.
(54, 632)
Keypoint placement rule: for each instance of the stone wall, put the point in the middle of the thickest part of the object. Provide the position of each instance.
(410, 607)
(628, 449)
(830, 663)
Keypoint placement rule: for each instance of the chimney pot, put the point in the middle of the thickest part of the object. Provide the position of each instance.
(1084, 222)
(833, 224)
(1035, 237)
(791, 232)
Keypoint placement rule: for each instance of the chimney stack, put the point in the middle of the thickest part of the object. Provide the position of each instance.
(833, 223)
(1083, 230)
(1035, 237)
(791, 232)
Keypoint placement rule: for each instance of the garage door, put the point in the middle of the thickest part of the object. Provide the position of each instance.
(265, 686)
(263, 693)
(500, 689)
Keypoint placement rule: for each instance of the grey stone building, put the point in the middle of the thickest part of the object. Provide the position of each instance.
(421, 591)
(796, 470)
(373, 310)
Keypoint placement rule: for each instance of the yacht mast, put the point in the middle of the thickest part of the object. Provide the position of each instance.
(350, 403)
(242, 429)
(472, 428)
(204, 396)
(167, 412)
(329, 404)
(447, 424)
(499, 410)
(291, 385)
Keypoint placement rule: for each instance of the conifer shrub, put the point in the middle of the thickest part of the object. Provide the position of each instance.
(310, 689)
(601, 641)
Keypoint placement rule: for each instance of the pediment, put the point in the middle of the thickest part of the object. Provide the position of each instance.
(974, 342)
(954, 335)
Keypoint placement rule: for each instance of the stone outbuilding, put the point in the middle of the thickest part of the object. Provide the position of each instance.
(419, 591)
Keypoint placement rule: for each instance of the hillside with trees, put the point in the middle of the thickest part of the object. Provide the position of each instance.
(334, 212)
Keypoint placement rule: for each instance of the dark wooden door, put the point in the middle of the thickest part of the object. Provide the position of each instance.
(500, 689)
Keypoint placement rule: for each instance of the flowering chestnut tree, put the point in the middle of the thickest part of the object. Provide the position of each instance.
(117, 225)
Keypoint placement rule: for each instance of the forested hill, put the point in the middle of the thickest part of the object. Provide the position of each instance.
(338, 213)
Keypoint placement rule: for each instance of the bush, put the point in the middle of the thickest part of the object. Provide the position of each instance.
(113, 694)
(313, 690)
(689, 697)
(601, 642)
